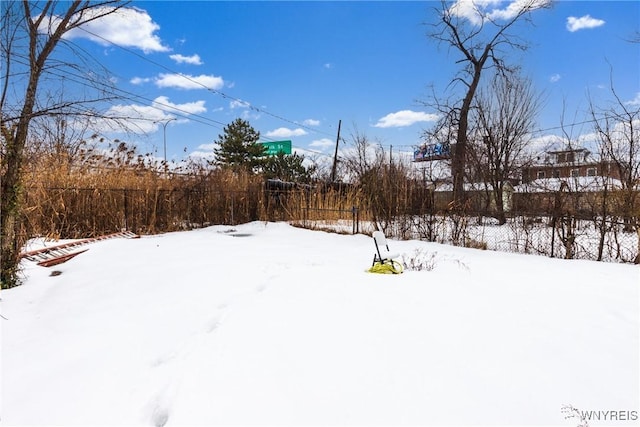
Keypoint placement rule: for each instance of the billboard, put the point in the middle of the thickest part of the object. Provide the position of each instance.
(275, 147)
(428, 152)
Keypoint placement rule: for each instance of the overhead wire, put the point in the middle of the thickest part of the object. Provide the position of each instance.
(128, 95)
(131, 96)
(214, 123)
(215, 91)
(533, 132)
(122, 94)
(209, 89)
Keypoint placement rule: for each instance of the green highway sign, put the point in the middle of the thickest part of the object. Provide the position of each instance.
(275, 147)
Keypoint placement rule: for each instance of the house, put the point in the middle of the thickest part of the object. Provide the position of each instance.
(567, 180)
(568, 163)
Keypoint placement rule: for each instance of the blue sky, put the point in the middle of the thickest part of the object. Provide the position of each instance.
(295, 69)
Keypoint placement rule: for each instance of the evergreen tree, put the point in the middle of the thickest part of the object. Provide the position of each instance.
(238, 147)
(288, 168)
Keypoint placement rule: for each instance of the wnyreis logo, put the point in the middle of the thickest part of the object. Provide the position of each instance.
(584, 418)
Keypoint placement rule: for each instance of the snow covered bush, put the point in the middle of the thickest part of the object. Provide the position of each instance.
(420, 260)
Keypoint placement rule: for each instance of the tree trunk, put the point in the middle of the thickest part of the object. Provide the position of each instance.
(458, 165)
(637, 259)
(15, 132)
(500, 216)
(10, 225)
(11, 188)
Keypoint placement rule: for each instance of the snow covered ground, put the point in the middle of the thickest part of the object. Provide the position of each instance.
(264, 323)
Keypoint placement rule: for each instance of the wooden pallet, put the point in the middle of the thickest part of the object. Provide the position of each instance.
(54, 255)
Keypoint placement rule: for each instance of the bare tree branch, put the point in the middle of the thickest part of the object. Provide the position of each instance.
(503, 116)
(477, 43)
(30, 19)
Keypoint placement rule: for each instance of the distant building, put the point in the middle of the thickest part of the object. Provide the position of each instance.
(570, 163)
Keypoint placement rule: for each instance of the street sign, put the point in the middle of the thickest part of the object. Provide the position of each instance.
(275, 147)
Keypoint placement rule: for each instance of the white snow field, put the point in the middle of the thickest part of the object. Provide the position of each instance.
(268, 324)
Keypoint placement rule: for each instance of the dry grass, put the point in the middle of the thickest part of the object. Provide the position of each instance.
(89, 194)
(100, 194)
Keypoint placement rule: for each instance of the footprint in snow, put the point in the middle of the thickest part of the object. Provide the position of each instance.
(213, 324)
(264, 285)
(160, 417)
(159, 410)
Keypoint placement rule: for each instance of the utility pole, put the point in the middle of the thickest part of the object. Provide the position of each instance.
(335, 156)
(164, 138)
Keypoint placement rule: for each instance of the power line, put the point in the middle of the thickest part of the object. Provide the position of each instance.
(120, 93)
(533, 132)
(214, 123)
(212, 90)
(130, 96)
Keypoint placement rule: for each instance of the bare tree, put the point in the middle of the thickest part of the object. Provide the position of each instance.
(503, 118)
(31, 32)
(364, 165)
(481, 39)
(618, 131)
(382, 181)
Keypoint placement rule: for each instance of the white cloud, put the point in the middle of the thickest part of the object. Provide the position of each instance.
(208, 147)
(635, 101)
(584, 22)
(181, 59)
(163, 103)
(203, 152)
(139, 80)
(322, 143)
(285, 133)
(132, 118)
(311, 122)
(328, 65)
(586, 140)
(539, 145)
(248, 112)
(185, 81)
(250, 115)
(146, 118)
(555, 78)
(471, 10)
(477, 11)
(238, 103)
(128, 27)
(404, 118)
(516, 7)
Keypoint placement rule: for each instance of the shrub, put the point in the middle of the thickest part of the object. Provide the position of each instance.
(475, 244)
(420, 260)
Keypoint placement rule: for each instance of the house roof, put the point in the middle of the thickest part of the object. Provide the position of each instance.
(569, 150)
(579, 184)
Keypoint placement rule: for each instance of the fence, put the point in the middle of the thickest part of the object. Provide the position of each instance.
(339, 220)
(89, 212)
(86, 212)
(599, 239)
